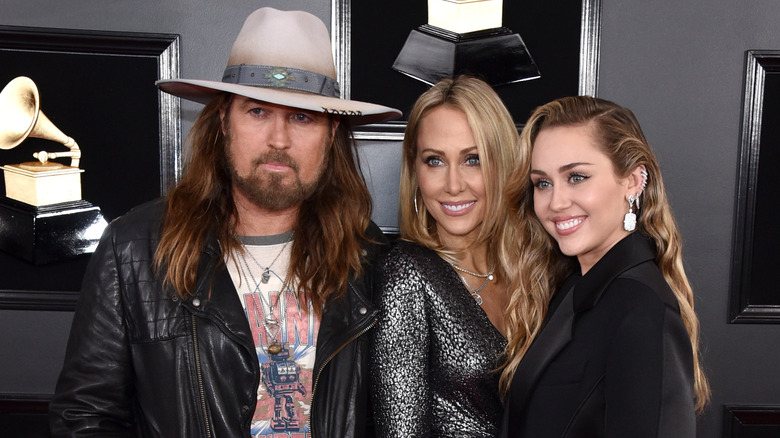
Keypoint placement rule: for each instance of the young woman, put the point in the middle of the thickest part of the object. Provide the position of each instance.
(616, 352)
(440, 335)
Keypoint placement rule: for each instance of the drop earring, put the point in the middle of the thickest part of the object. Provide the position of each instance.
(629, 221)
(416, 211)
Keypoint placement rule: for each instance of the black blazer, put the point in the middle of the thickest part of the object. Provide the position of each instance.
(613, 360)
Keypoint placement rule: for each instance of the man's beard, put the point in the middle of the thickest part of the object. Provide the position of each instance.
(268, 190)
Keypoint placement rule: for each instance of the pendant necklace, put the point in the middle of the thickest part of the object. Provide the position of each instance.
(270, 322)
(272, 325)
(489, 275)
(475, 291)
(267, 270)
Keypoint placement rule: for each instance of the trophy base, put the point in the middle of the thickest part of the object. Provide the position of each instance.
(49, 233)
(498, 56)
(463, 16)
(42, 184)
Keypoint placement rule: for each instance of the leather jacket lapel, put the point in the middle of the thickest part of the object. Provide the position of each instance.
(217, 299)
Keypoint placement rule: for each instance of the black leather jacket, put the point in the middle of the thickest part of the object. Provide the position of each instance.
(142, 362)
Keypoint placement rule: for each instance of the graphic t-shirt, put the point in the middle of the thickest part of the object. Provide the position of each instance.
(285, 333)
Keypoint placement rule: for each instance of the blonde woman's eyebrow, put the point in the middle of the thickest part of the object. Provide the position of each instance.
(463, 151)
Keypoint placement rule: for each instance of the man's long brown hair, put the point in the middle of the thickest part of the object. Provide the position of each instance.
(328, 234)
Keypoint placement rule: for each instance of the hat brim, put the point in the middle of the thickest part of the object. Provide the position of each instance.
(358, 113)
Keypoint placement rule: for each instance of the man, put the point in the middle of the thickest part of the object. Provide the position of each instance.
(240, 304)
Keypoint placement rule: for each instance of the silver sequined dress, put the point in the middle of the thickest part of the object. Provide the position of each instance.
(434, 352)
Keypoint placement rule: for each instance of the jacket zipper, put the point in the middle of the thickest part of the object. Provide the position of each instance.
(199, 373)
(325, 363)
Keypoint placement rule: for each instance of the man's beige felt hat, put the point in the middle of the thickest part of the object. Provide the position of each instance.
(282, 57)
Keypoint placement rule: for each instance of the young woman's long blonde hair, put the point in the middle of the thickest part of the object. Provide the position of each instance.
(542, 266)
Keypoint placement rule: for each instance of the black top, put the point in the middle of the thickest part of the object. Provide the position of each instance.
(613, 360)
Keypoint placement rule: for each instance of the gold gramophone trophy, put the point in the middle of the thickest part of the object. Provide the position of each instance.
(42, 217)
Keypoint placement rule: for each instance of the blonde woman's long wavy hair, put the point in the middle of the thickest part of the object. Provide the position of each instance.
(543, 266)
(328, 235)
(497, 144)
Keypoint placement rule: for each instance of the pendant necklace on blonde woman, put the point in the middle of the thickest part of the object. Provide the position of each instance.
(271, 323)
(489, 275)
(475, 291)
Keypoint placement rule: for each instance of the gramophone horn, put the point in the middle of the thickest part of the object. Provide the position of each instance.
(21, 117)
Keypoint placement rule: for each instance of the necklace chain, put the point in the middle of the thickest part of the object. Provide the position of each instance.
(257, 286)
(489, 275)
(270, 323)
(267, 270)
(474, 292)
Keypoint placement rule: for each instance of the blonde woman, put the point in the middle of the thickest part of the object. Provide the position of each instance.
(616, 354)
(441, 329)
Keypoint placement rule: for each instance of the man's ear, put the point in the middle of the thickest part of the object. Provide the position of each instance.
(222, 112)
(334, 124)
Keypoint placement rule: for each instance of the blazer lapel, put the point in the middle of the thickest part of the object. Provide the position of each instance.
(631, 251)
(555, 335)
(582, 294)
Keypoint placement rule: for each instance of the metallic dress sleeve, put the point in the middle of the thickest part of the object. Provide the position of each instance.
(400, 356)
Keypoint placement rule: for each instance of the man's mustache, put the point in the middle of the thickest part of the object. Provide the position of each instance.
(275, 157)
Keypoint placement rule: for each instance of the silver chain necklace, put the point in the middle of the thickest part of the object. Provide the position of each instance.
(474, 292)
(267, 270)
(271, 324)
(489, 275)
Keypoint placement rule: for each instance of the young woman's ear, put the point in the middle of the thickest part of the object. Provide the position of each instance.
(637, 181)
